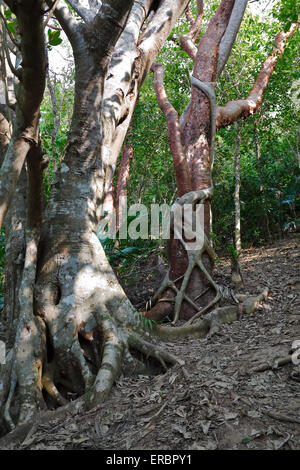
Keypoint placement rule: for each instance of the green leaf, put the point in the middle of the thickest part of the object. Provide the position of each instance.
(246, 440)
(8, 13)
(129, 249)
(54, 38)
(287, 27)
(11, 27)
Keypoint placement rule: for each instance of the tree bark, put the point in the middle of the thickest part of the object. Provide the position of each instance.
(190, 142)
(122, 182)
(186, 286)
(236, 275)
(237, 186)
(261, 187)
(76, 324)
(30, 94)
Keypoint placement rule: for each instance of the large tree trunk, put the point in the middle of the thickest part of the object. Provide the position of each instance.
(14, 256)
(195, 136)
(76, 326)
(14, 226)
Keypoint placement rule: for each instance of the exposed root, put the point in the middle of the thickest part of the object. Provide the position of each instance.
(282, 361)
(212, 321)
(111, 361)
(151, 350)
(5, 374)
(117, 342)
(280, 417)
(6, 411)
(50, 388)
(194, 261)
(268, 366)
(250, 303)
(120, 339)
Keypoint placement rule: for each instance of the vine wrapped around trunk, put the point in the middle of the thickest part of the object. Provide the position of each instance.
(189, 290)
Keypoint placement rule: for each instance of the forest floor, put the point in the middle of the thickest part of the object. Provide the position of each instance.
(217, 401)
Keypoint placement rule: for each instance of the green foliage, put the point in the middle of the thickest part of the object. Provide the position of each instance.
(288, 12)
(11, 21)
(152, 176)
(232, 252)
(123, 253)
(54, 38)
(147, 322)
(277, 203)
(54, 146)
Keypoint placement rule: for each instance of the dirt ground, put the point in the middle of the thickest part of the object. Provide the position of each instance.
(217, 400)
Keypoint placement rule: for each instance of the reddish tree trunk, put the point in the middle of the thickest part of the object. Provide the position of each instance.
(191, 142)
(121, 189)
(192, 155)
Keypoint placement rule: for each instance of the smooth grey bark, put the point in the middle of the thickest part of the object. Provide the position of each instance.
(237, 186)
(230, 33)
(30, 93)
(236, 273)
(14, 221)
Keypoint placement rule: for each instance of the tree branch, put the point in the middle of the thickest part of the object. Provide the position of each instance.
(83, 12)
(16, 72)
(181, 167)
(125, 79)
(233, 110)
(108, 24)
(30, 95)
(56, 28)
(50, 13)
(187, 41)
(67, 22)
(159, 29)
(13, 40)
(189, 15)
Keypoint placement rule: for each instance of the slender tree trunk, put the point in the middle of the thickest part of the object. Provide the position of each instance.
(236, 275)
(237, 186)
(14, 229)
(121, 188)
(261, 187)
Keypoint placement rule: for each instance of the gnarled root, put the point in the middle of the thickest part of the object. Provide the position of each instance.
(84, 361)
(194, 261)
(212, 321)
